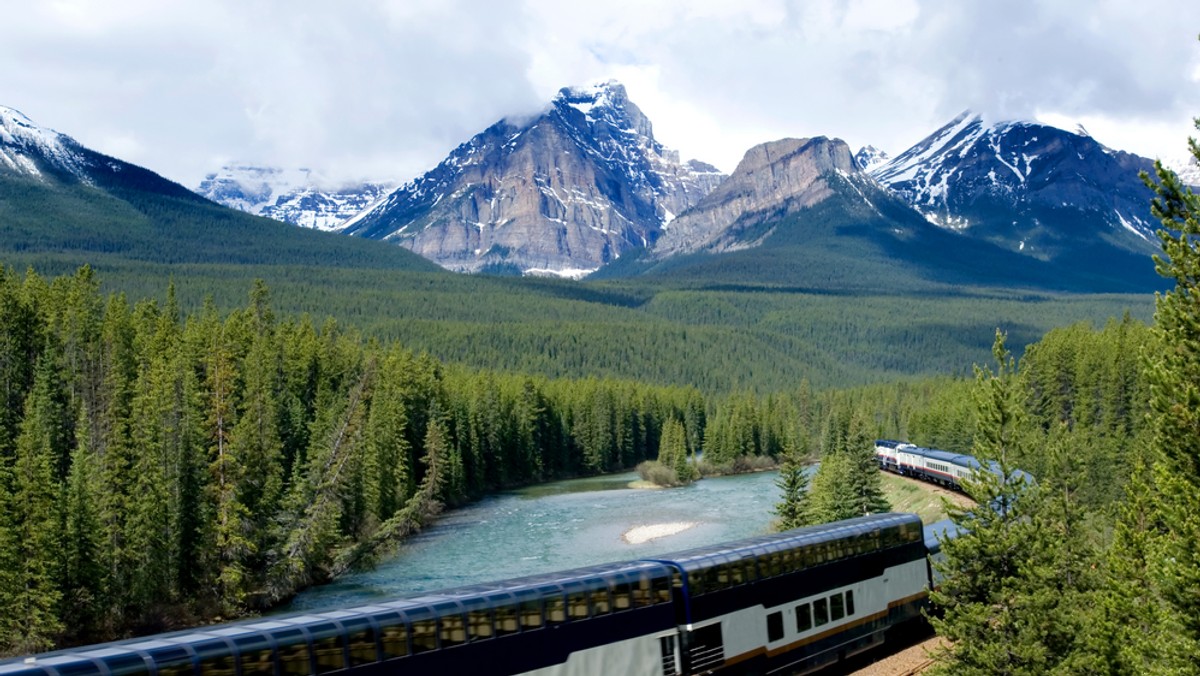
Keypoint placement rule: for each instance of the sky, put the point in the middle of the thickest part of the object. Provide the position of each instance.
(384, 89)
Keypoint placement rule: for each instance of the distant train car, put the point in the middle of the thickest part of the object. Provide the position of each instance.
(927, 464)
(796, 600)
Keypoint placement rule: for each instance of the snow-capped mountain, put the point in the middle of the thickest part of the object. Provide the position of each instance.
(561, 194)
(26, 148)
(31, 151)
(298, 196)
(1026, 186)
(868, 157)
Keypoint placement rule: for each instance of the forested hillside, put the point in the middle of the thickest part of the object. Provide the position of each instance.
(162, 469)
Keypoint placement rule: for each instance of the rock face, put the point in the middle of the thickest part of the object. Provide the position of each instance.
(1024, 186)
(298, 196)
(772, 180)
(561, 194)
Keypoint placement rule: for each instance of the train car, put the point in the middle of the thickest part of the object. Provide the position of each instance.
(939, 467)
(885, 453)
(798, 599)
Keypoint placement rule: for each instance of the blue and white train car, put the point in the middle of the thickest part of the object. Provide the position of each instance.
(795, 600)
(939, 467)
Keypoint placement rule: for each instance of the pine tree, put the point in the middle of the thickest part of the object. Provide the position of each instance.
(793, 508)
(32, 615)
(866, 485)
(1173, 372)
(1013, 576)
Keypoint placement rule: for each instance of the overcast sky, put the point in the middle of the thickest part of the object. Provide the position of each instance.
(384, 89)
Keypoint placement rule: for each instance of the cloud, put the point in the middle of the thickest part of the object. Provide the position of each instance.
(385, 88)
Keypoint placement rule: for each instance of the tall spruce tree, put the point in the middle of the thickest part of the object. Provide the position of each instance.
(793, 507)
(1011, 576)
(1173, 372)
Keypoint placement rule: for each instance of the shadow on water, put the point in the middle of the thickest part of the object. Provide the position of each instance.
(611, 482)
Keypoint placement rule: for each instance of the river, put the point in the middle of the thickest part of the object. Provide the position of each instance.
(555, 526)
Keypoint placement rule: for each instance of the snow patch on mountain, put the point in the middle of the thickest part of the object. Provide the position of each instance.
(972, 172)
(869, 157)
(24, 146)
(297, 196)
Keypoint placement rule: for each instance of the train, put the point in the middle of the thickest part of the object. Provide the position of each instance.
(927, 464)
(792, 602)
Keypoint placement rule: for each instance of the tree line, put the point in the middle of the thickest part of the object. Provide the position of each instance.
(159, 470)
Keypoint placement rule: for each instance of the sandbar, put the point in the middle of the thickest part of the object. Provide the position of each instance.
(642, 534)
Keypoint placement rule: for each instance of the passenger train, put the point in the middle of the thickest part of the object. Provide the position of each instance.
(793, 602)
(927, 464)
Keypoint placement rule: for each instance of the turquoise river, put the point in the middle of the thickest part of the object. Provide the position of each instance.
(556, 526)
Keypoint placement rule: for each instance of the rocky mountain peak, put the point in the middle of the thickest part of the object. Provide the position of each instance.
(772, 180)
(561, 194)
(869, 157)
(1009, 179)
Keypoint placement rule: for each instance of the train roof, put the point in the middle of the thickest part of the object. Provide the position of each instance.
(703, 557)
(960, 459)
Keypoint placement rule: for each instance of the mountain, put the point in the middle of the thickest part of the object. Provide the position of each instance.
(562, 193)
(772, 180)
(1045, 192)
(868, 157)
(63, 204)
(32, 152)
(299, 196)
(800, 214)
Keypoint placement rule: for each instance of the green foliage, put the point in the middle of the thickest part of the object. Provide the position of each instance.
(164, 466)
(793, 508)
(1015, 586)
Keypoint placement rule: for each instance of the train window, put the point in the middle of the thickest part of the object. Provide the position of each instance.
(394, 641)
(723, 576)
(258, 662)
(328, 654)
(643, 595)
(820, 612)
(80, 667)
(531, 614)
(774, 627)
(506, 619)
(556, 610)
(361, 643)
(837, 607)
(771, 565)
(424, 636)
(172, 661)
(479, 625)
(601, 604)
(751, 570)
(215, 658)
(292, 649)
(849, 602)
(453, 631)
(803, 617)
(125, 665)
(622, 597)
(217, 665)
(662, 590)
(256, 655)
(577, 605)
